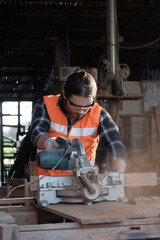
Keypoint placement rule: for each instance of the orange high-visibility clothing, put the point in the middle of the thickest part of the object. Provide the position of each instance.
(85, 129)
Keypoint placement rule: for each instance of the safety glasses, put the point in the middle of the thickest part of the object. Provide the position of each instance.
(80, 106)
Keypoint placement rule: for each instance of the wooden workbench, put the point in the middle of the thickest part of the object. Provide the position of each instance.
(133, 218)
(99, 221)
(105, 212)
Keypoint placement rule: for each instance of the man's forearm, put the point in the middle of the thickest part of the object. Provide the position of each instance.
(41, 140)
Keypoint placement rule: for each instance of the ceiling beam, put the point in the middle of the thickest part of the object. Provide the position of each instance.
(56, 13)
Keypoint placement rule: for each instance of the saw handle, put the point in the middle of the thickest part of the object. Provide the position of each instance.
(87, 184)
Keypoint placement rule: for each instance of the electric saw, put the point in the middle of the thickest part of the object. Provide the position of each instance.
(85, 185)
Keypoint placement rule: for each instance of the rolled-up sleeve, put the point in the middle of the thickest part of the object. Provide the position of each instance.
(110, 135)
(40, 122)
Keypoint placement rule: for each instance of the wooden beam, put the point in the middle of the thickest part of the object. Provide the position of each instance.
(104, 212)
(140, 179)
(56, 13)
(9, 231)
(157, 118)
(25, 218)
(16, 201)
(74, 231)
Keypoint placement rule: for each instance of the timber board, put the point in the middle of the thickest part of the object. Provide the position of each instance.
(104, 212)
(74, 231)
(12, 201)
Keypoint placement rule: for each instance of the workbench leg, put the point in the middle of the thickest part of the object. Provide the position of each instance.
(9, 231)
(26, 191)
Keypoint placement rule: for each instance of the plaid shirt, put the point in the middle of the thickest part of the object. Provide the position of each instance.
(107, 130)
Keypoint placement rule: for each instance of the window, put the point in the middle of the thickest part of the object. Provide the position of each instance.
(16, 119)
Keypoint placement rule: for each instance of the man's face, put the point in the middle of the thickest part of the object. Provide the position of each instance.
(77, 106)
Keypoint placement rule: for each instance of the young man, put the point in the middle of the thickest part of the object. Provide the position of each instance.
(74, 114)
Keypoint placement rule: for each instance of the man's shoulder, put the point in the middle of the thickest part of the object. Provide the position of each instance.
(51, 98)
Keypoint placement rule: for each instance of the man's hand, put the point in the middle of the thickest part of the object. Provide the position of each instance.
(51, 144)
(118, 165)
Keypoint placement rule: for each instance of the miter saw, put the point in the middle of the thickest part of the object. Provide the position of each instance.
(86, 185)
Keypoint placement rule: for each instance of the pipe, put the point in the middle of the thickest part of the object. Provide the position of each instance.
(112, 11)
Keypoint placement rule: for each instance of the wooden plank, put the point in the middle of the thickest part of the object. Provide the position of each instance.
(128, 97)
(134, 222)
(10, 201)
(74, 231)
(140, 179)
(6, 218)
(104, 212)
(9, 231)
(34, 180)
(157, 117)
(141, 232)
(127, 222)
(25, 218)
(20, 208)
(84, 214)
(32, 166)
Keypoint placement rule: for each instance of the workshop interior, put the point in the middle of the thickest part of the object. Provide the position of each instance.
(42, 42)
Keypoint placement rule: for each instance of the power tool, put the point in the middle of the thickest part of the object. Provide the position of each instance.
(85, 185)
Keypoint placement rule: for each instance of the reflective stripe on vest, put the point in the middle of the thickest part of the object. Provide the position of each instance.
(58, 128)
(79, 132)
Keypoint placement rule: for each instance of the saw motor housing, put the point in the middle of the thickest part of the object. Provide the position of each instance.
(48, 159)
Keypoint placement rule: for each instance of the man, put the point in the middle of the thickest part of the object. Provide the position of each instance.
(74, 114)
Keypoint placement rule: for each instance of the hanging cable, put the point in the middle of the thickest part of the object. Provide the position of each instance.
(138, 47)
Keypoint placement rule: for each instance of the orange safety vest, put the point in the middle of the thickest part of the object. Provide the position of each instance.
(86, 130)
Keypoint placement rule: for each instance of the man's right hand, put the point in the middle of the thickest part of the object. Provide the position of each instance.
(51, 144)
(118, 165)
